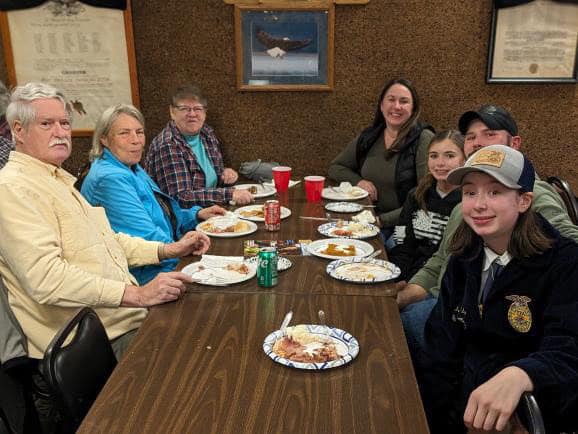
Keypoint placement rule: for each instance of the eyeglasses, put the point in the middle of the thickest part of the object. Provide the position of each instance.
(199, 109)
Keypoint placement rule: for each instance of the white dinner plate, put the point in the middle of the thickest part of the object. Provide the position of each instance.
(355, 230)
(343, 207)
(346, 345)
(335, 193)
(262, 190)
(217, 227)
(285, 212)
(282, 262)
(362, 249)
(362, 270)
(215, 273)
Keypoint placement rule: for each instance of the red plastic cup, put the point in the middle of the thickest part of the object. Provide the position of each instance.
(314, 187)
(281, 177)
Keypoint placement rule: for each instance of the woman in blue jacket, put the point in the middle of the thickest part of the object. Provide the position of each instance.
(134, 204)
(505, 322)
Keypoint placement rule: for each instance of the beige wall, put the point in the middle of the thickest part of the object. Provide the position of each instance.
(440, 45)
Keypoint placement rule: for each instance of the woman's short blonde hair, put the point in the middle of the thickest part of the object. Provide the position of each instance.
(104, 124)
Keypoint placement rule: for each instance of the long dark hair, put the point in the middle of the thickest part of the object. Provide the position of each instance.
(368, 137)
(428, 180)
(527, 238)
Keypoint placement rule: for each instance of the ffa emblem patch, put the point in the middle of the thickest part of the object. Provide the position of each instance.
(519, 314)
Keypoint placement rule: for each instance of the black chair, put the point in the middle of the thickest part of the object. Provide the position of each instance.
(81, 174)
(530, 415)
(77, 371)
(568, 196)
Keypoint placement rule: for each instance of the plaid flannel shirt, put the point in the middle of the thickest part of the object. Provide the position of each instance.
(5, 147)
(172, 164)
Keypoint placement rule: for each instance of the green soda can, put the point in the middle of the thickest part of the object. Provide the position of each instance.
(267, 276)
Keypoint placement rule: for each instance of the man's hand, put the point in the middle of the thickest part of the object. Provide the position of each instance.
(162, 289)
(242, 197)
(410, 293)
(491, 404)
(369, 187)
(192, 243)
(212, 211)
(229, 176)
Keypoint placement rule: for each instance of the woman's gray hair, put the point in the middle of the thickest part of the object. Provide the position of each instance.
(104, 124)
(4, 98)
(20, 108)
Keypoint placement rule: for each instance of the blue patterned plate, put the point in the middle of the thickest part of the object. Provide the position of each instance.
(347, 347)
(362, 270)
(347, 229)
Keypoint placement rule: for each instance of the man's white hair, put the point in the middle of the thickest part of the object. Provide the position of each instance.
(20, 108)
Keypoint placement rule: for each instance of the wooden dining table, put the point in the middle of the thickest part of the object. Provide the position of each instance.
(198, 366)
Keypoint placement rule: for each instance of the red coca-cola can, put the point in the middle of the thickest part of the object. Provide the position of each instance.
(272, 211)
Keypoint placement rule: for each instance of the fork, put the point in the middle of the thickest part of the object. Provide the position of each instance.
(321, 315)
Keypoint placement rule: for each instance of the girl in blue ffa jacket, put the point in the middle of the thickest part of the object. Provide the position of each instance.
(506, 321)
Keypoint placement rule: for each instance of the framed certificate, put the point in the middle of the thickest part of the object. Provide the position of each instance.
(534, 42)
(85, 51)
(284, 48)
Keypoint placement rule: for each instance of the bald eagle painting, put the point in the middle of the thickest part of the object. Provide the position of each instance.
(283, 49)
(284, 46)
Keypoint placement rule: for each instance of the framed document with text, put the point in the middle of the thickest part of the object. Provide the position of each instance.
(85, 51)
(534, 42)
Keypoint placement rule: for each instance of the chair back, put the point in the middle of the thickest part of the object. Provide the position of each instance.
(530, 415)
(77, 371)
(568, 196)
(81, 174)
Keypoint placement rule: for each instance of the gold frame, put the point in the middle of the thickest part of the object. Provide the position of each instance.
(131, 73)
(327, 85)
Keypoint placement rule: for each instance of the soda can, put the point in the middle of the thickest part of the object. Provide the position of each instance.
(272, 211)
(267, 276)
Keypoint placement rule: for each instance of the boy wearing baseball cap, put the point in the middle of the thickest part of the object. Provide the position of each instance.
(505, 321)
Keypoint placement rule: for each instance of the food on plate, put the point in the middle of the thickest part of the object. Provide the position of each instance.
(339, 250)
(239, 267)
(239, 226)
(299, 345)
(257, 212)
(352, 229)
(360, 271)
(253, 189)
(342, 232)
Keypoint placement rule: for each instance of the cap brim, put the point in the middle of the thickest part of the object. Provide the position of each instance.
(456, 176)
(466, 119)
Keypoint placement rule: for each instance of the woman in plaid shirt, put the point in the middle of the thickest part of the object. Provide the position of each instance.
(185, 159)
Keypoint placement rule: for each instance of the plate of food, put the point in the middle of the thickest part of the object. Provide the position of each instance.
(362, 270)
(221, 270)
(256, 213)
(226, 227)
(347, 229)
(311, 346)
(282, 262)
(258, 190)
(337, 248)
(343, 207)
(345, 191)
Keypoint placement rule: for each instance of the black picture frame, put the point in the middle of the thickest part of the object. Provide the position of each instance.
(520, 52)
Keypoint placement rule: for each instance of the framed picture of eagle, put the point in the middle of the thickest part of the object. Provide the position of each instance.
(284, 48)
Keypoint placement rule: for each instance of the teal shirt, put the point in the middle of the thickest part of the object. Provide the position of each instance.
(203, 159)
